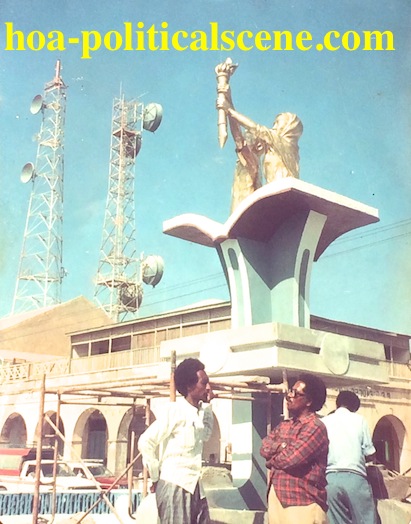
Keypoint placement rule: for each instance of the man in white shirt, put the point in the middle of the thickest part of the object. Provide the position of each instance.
(349, 494)
(172, 447)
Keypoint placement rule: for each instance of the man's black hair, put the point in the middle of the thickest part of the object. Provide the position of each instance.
(185, 374)
(349, 400)
(315, 390)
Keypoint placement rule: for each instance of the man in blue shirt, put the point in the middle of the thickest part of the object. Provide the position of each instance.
(349, 494)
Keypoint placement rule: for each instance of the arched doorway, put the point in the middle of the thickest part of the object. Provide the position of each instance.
(131, 427)
(388, 438)
(90, 435)
(95, 446)
(14, 432)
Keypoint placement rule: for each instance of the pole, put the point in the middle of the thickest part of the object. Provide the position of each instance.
(55, 457)
(285, 408)
(130, 472)
(36, 495)
(145, 470)
(103, 493)
(172, 381)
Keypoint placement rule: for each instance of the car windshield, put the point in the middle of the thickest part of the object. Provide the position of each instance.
(100, 471)
(63, 470)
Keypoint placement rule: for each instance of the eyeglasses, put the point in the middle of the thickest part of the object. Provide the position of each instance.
(295, 393)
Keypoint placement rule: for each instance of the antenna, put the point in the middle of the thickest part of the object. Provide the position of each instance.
(27, 173)
(152, 117)
(120, 274)
(152, 268)
(40, 270)
(36, 104)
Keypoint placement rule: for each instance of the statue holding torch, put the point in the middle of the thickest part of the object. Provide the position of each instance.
(277, 147)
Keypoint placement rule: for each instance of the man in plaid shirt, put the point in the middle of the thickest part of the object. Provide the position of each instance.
(296, 453)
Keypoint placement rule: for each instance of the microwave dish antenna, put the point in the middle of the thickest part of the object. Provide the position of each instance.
(152, 117)
(27, 173)
(152, 270)
(37, 105)
(131, 296)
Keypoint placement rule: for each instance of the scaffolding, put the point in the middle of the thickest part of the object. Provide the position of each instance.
(128, 393)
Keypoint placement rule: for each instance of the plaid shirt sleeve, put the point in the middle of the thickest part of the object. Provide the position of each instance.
(270, 445)
(300, 451)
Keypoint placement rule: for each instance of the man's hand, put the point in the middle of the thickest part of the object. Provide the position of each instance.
(153, 487)
(210, 395)
(271, 446)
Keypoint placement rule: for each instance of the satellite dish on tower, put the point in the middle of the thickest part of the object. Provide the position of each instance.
(153, 269)
(138, 144)
(36, 104)
(131, 296)
(27, 173)
(153, 114)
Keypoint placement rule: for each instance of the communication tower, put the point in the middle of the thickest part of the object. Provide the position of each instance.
(121, 272)
(40, 272)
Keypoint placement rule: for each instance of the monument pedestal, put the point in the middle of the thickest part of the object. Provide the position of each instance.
(267, 248)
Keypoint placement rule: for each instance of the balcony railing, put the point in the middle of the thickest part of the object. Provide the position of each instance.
(119, 359)
(399, 371)
(11, 373)
(32, 370)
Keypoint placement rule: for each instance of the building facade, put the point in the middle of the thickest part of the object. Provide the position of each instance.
(99, 398)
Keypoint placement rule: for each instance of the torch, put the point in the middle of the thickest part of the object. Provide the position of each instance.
(223, 72)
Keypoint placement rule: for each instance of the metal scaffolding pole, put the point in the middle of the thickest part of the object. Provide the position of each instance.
(36, 496)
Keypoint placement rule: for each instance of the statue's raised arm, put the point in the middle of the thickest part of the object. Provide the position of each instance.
(276, 146)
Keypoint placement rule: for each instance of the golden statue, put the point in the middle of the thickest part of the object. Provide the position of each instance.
(269, 153)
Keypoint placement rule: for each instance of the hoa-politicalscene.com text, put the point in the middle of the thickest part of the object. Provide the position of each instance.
(140, 37)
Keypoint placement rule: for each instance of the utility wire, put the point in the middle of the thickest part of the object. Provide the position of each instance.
(372, 232)
(367, 245)
(163, 291)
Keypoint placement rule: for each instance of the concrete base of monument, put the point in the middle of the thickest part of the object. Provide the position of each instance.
(223, 494)
(231, 516)
(389, 512)
(267, 349)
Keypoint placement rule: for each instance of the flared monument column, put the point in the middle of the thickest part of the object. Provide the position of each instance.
(268, 245)
(267, 249)
(269, 278)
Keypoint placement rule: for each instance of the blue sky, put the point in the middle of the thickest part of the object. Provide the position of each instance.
(355, 107)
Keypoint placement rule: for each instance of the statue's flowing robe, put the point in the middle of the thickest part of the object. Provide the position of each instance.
(278, 149)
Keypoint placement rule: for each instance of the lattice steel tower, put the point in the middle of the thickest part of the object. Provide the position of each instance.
(120, 272)
(40, 271)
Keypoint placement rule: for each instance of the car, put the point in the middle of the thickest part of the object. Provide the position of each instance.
(23, 480)
(95, 470)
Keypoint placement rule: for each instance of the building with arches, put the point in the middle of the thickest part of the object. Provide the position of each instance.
(113, 379)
